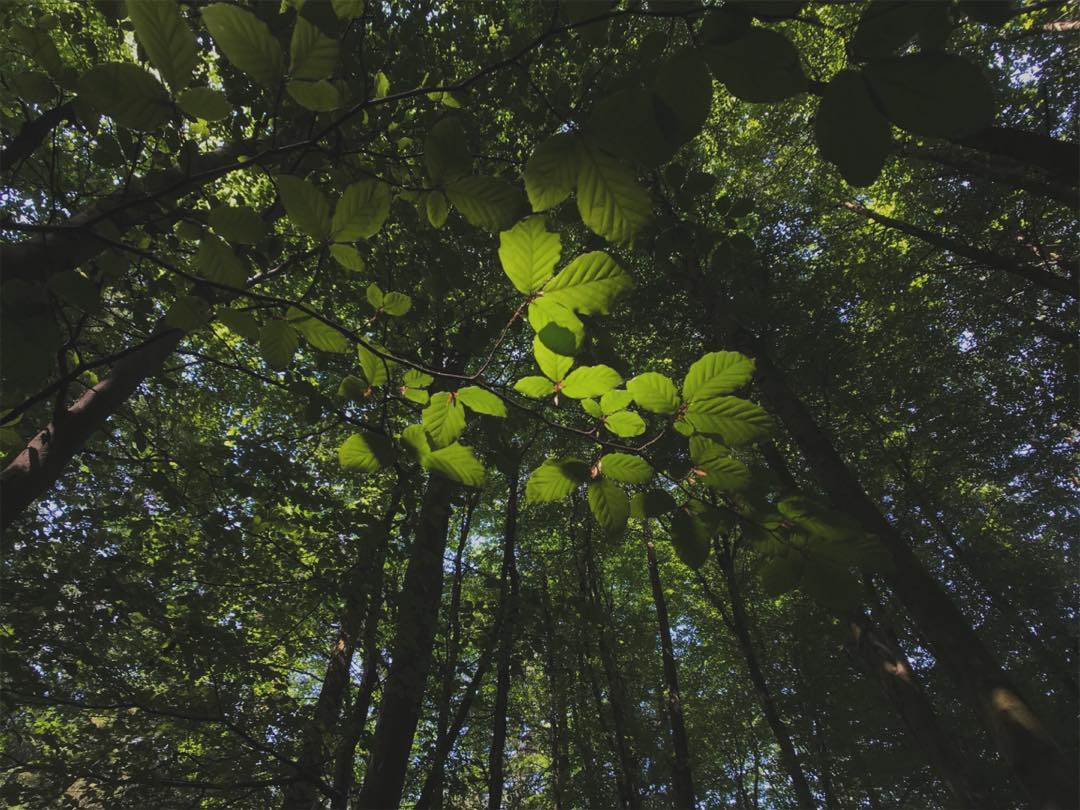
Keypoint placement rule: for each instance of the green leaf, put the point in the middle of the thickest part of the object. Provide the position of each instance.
(552, 171)
(704, 450)
(736, 421)
(127, 94)
(592, 408)
(376, 369)
(312, 54)
(320, 335)
(717, 373)
(278, 342)
(446, 151)
(33, 86)
(609, 506)
(239, 225)
(242, 323)
(416, 440)
(348, 9)
(188, 313)
(320, 96)
(417, 395)
(444, 419)
(651, 504)
(886, 25)
(553, 365)
(353, 389)
(438, 208)
(374, 296)
(723, 25)
(589, 284)
(683, 87)
(364, 452)
(557, 327)
(348, 257)
(555, 479)
(626, 468)
(831, 584)
(690, 538)
(625, 424)
(246, 41)
(614, 401)
(611, 201)
(381, 85)
(654, 392)
(762, 65)
(396, 304)
(417, 379)
(590, 381)
(484, 201)
(932, 93)
(457, 463)
(627, 124)
(529, 253)
(204, 103)
(817, 520)
(535, 387)
(361, 211)
(481, 401)
(216, 261)
(166, 38)
(306, 206)
(725, 474)
(850, 130)
(781, 574)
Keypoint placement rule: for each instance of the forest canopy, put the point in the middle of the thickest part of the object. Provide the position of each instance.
(518, 404)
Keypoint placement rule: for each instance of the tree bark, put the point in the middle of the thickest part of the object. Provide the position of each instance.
(414, 637)
(315, 750)
(1014, 178)
(740, 624)
(446, 744)
(34, 471)
(508, 596)
(33, 133)
(1041, 278)
(682, 783)
(883, 660)
(620, 711)
(1019, 734)
(1061, 159)
(560, 757)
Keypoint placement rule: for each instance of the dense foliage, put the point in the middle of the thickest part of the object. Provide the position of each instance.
(538, 404)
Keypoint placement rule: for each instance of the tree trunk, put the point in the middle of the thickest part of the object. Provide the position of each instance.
(788, 756)
(560, 757)
(33, 133)
(345, 761)
(1015, 178)
(1020, 736)
(414, 636)
(1041, 278)
(453, 645)
(1061, 159)
(883, 660)
(316, 750)
(682, 782)
(34, 471)
(508, 596)
(620, 705)
(446, 744)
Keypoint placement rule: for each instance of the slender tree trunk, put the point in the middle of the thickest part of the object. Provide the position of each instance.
(508, 596)
(620, 705)
(560, 757)
(1020, 736)
(883, 660)
(446, 744)
(355, 727)
(1041, 278)
(33, 133)
(34, 471)
(740, 624)
(453, 645)
(414, 636)
(1061, 159)
(1013, 178)
(682, 782)
(315, 749)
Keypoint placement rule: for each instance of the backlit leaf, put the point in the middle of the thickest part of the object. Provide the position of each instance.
(481, 401)
(246, 41)
(166, 38)
(528, 253)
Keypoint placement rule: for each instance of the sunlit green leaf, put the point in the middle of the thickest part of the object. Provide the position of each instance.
(246, 41)
(529, 253)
